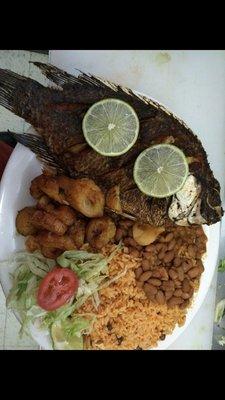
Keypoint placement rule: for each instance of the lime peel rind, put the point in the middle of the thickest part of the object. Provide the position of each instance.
(151, 184)
(118, 140)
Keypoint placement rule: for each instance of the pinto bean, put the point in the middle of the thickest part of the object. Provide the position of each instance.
(174, 301)
(186, 265)
(168, 294)
(169, 256)
(177, 261)
(168, 237)
(192, 250)
(184, 305)
(173, 274)
(133, 242)
(194, 272)
(161, 255)
(155, 281)
(180, 272)
(156, 273)
(134, 252)
(178, 293)
(150, 290)
(145, 276)
(186, 296)
(179, 243)
(146, 264)
(139, 284)
(130, 242)
(168, 285)
(199, 232)
(160, 297)
(163, 274)
(138, 272)
(158, 246)
(150, 248)
(171, 244)
(177, 283)
(200, 265)
(186, 287)
(148, 255)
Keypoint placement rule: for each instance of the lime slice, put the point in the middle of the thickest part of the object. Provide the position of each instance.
(60, 341)
(111, 127)
(160, 170)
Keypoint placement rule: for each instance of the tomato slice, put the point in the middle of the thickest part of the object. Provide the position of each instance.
(57, 288)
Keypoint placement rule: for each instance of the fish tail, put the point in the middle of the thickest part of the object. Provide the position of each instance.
(8, 82)
(37, 145)
(17, 92)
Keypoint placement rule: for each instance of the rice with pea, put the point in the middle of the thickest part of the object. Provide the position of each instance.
(125, 318)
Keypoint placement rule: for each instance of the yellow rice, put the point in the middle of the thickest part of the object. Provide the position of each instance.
(132, 319)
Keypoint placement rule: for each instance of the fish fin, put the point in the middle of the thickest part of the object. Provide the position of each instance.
(119, 214)
(15, 89)
(37, 145)
(55, 74)
(61, 78)
(85, 80)
(8, 82)
(119, 90)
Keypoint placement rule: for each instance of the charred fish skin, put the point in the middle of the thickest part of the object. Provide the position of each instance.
(37, 144)
(49, 111)
(42, 108)
(88, 89)
(57, 115)
(148, 209)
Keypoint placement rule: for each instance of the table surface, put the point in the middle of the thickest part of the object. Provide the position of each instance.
(191, 83)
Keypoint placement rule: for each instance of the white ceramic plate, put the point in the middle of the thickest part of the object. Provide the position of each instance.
(14, 195)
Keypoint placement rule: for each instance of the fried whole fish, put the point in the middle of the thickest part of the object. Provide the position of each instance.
(56, 113)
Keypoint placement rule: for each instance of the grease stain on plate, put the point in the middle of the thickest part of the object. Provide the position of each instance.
(162, 58)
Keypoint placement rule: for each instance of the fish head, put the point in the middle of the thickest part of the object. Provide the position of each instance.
(211, 208)
(196, 202)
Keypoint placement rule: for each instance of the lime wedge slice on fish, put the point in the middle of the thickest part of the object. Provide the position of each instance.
(59, 339)
(160, 170)
(111, 127)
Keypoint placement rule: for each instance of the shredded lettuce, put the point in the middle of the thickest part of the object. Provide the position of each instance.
(31, 268)
(76, 326)
(68, 334)
(221, 267)
(86, 265)
(220, 311)
(92, 269)
(221, 340)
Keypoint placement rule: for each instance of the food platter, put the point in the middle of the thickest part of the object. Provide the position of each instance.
(14, 195)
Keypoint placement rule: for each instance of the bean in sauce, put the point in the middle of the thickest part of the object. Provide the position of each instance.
(171, 266)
